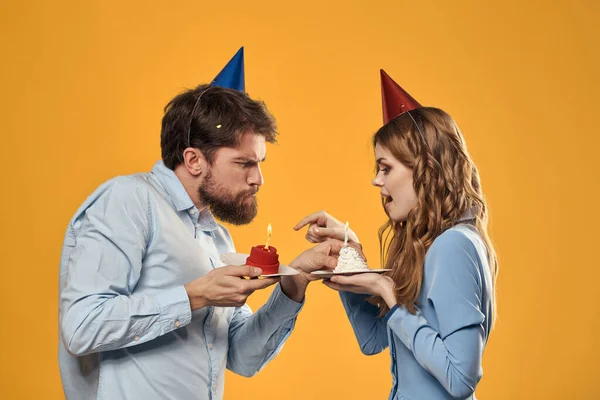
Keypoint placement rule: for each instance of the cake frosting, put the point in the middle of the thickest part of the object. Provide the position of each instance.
(350, 261)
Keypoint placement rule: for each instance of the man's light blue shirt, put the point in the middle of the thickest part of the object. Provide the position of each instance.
(125, 321)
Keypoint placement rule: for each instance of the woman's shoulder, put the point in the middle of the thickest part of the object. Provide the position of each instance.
(464, 236)
(455, 281)
(458, 248)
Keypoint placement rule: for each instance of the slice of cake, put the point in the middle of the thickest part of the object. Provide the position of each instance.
(266, 259)
(350, 261)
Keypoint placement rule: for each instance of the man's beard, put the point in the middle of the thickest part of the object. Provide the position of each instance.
(233, 209)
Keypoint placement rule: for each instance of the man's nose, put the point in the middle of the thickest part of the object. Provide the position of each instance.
(256, 177)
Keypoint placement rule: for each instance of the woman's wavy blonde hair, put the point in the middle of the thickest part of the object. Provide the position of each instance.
(447, 186)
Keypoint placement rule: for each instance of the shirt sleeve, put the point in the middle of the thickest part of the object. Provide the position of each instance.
(254, 339)
(369, 329)
(99, 309)
(452, 353)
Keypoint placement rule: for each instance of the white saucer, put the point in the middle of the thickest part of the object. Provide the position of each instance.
(328, 274)
(240, 259)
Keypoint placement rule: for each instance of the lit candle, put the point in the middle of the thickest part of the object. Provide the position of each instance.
(269, 231)
(346, 235)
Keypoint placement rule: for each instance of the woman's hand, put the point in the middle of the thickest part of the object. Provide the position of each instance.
(367, 283)
(322, 226)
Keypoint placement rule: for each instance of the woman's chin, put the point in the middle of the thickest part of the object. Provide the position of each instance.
(395, 217)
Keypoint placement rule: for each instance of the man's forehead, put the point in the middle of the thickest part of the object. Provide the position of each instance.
(246, 154)
(251, 146)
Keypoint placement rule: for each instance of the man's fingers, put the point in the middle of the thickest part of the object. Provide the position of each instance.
(335, 245)
(259, 284)
(242, 270)
(324, 261)
(323, 247)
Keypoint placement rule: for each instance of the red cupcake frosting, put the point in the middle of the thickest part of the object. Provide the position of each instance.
(267, 260)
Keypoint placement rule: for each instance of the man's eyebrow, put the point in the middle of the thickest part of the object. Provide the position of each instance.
(249, 159)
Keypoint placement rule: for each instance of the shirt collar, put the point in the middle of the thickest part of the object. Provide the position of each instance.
(468, 215)
(180, 198)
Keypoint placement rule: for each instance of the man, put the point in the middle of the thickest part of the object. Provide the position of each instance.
(146, 309)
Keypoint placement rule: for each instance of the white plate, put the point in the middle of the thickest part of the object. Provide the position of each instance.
(328, 274)
(240, 259)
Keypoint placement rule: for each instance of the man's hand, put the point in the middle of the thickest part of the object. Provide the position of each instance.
(322, 256)
(225, 287)
(322, 226)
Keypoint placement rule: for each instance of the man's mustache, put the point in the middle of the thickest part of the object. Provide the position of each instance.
(253, 191)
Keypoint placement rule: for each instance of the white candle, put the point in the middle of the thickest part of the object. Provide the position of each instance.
(346, 235)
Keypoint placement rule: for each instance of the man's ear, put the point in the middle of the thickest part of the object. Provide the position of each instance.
(194, 161)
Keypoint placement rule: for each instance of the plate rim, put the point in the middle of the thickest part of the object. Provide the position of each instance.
(263, 275)
(325, 272)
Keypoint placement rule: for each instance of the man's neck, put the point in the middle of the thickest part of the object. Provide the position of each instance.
(190, 184)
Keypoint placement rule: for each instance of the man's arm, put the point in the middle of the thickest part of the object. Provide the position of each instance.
(254, 339)
(99, 310)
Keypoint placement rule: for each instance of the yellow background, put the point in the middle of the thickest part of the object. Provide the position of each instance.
(83, 84)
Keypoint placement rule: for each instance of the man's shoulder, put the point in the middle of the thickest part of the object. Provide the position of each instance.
(127, 188)
(122, 189)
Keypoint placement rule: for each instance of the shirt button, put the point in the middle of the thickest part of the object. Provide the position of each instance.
(177, 323)
(193, 212)
(137, 339)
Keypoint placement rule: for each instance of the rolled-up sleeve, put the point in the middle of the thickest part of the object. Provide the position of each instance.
(99, 309)
(254, 339)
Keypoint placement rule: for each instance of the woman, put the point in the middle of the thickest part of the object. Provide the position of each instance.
(435, 309)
